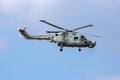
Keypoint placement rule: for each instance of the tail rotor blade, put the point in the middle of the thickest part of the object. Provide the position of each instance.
(25, 27)
(18, 28)
(20, 35)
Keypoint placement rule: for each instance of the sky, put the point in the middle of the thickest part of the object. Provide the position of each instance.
(22, 59)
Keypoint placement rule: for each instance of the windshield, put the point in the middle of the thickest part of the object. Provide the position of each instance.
(83, 38)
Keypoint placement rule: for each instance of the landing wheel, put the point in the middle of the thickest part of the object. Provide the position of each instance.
(79, 49)
(61, 49)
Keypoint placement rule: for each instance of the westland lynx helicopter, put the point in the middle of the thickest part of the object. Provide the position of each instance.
(63, 38)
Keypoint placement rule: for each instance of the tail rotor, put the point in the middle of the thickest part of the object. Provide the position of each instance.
(21, 30)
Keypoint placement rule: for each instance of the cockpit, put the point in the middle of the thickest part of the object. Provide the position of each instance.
(83, 38)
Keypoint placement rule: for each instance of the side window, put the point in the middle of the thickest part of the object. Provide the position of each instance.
(75, 38)
(56, 34)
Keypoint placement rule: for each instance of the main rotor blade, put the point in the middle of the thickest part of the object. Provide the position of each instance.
(90, 35)
(90, 25)
(53, 25)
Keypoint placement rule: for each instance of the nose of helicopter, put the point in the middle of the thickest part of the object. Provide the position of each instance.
(91, 44)
(94, 43)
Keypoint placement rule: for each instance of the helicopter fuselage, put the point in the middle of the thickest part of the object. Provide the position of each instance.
(64, 38)
(72, 40)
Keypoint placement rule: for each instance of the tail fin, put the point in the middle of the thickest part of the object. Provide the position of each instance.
(23, 33)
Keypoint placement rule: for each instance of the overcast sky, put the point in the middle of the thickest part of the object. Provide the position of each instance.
(22, 59)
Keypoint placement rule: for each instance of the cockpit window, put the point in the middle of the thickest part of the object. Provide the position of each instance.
(83, 38)
(56, 34)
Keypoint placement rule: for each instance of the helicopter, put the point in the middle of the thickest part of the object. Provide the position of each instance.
(63, 38)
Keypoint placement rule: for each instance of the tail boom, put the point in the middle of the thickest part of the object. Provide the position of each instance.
(41, 37)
